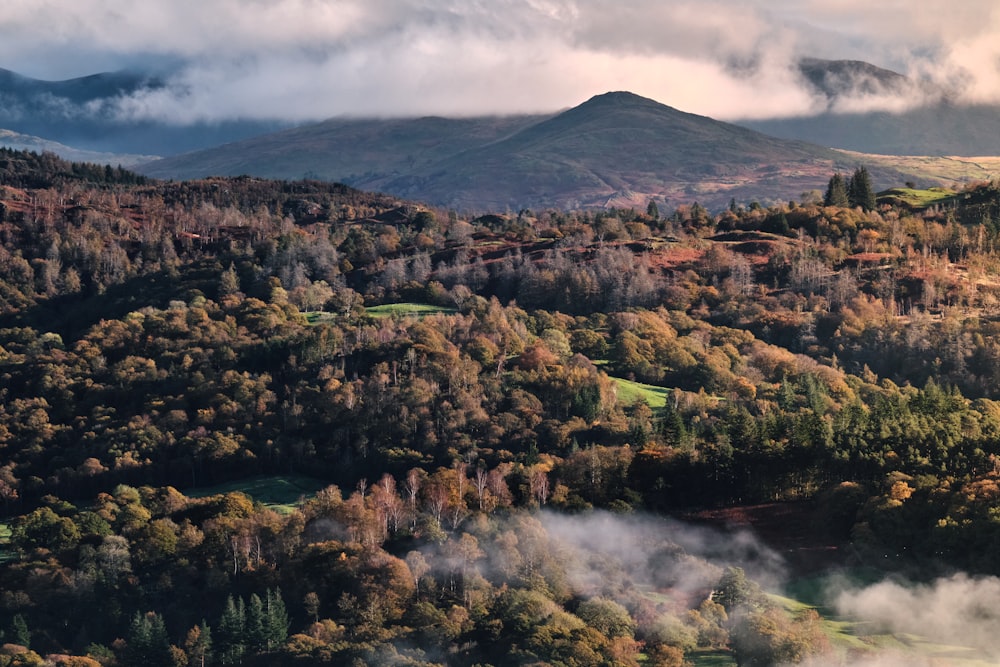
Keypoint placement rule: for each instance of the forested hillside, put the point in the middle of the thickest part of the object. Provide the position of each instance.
(475, 398)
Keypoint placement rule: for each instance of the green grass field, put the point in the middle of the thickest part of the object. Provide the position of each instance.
(407, 310)
(917, 199)
(630, 392)
(711, 658)
(282, 493)
(317, 316)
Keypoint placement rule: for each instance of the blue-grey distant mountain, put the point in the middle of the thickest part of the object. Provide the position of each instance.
(83, 113)
(26, 142)
(935, 126)
(614, 149)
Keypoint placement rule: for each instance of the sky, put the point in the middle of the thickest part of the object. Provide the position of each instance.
(301, 60)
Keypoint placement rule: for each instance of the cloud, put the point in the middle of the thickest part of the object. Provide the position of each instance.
(959, 611)
(311, 59)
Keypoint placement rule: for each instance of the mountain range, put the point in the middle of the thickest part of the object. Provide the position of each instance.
(614, 149)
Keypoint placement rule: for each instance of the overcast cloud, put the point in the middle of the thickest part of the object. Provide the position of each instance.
(313, 59)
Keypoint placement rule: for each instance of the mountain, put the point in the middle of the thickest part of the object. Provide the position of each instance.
(26, 142)
(934, 126)
(85, 112)
(614, 149)
(839, 79)
(366, 153)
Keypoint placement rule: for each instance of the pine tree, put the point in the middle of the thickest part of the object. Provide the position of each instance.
(276, 624)
(836, 192)
(671, 425)
(198, 645)
(232, 631)
(653, 211)
(148, 644)
(256, 635)
(859, 191)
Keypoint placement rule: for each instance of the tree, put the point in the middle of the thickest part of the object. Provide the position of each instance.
(734, 591)
(147, 644)
(311, 603)
(256, 635)
(653, 211)
(229, 282)
(275, 619)
(19, 632)
(232, 631)
(198, 645)
(607, 617)
(836, 192)
(859, 190)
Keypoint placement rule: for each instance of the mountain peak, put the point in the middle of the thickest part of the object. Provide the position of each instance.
(620, 98)
(845, 78)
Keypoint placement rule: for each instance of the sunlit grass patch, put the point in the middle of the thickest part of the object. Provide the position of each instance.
(711, 658)
(917, 198)
(317, 316)
(282, 493)
(629, 392)
(407, 310)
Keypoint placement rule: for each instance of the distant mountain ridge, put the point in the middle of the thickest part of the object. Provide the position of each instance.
(932, 124)
(80, 90)
(25, 142)
(614, 149)
(837, 79)
(84, 113)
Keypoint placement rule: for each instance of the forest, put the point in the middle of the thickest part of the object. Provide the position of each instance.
(468, 400)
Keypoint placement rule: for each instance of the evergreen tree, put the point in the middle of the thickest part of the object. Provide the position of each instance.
(147, 644)
(836, 192)
(859, 191)
(671, 425)
(19, 633)
(233, 631)
(276, 623)
(653, 211)
(198, 645)
(256, 635)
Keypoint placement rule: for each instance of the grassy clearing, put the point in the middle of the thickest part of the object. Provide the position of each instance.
(282, 493)
(630, 392)
(317, 316)
(711, 658)
(407, 310)
(917, 199)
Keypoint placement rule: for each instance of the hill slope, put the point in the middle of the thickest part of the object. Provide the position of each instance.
(615, 149)
(365, 153)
